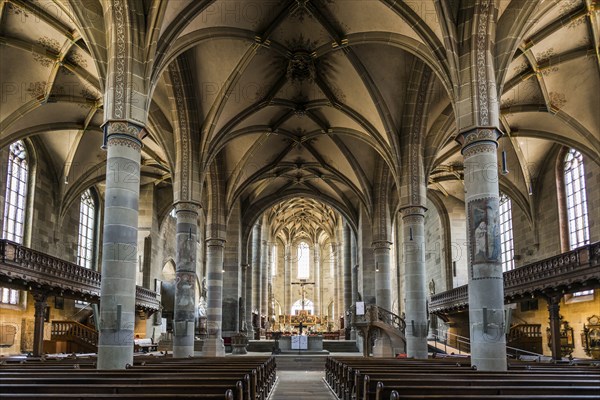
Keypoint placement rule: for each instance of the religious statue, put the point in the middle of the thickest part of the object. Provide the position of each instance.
(432, 287)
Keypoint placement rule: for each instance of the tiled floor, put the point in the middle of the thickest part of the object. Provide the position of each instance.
(301, 385)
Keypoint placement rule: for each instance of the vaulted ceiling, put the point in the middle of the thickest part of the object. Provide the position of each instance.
(299, 98)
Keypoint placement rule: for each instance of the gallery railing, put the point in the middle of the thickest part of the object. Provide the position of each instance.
(569, 271)
(28, 268)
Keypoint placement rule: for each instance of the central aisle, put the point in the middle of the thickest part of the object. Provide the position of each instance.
(301, 385)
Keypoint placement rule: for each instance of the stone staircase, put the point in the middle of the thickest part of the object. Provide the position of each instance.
(289, 362)
(340, 346)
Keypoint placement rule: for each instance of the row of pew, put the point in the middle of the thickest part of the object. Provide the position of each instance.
(358, 378)
(215, 378)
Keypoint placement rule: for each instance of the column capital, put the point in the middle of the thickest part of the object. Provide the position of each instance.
(381, 244)
(411, 210)
(477, 135)
(189, 206)
(215, 242)
(124, 133)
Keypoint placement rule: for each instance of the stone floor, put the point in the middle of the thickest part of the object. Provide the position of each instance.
(301, 385)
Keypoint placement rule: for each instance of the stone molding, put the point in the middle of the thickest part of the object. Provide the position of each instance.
(215, 242)
(413, 210)
(488, 134)
(186, 206)
(381, 244)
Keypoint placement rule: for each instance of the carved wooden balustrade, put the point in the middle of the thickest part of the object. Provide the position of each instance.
(74, 331)
(27, 269)
(571, 271)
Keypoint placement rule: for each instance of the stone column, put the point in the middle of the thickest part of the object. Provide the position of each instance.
(119, 245)
(256, 269)
(39, 319)
(486, 290)
(270, 309)
(554, 311)
(336, 283)
(213, 344)
(413, 222)
(347, 267)
(247, 282)
(287, 279)
(185, 280)
(264, 279)
(354, 295)
(244, 305)
(317, 278)
(383, 277)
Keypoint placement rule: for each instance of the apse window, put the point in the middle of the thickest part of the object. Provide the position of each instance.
(506, 233)
(15, 198)
(577, 212)
(15, 193)
(87, 224)
(303, 261)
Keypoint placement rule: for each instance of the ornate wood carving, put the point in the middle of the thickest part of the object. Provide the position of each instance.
(24, 268)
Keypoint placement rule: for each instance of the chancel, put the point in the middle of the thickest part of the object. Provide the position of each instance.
(188, 189)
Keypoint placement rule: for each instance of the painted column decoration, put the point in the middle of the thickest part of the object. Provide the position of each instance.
(184, 317)
(119, 245)
(486, 290)
(213, 344)
(413, 222)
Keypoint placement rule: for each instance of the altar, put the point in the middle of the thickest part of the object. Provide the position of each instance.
(301, 343)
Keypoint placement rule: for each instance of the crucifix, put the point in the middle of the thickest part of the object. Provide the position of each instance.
(302, 283)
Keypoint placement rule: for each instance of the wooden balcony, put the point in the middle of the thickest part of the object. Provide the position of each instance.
(26, 269)
(568, 272)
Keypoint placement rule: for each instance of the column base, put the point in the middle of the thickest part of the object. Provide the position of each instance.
(213, 347)
(383, 347)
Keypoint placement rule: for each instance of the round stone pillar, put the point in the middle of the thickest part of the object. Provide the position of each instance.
(413, 222)
(287, 280)
(486, 289)
(184, 317)
(264, 280)
(213, 344)
(256, 269)
(247, 284)
(383, 274)
(347, 266)
(317, 279)
(119, 245)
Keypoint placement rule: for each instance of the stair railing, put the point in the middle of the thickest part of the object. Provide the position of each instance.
(73, 330)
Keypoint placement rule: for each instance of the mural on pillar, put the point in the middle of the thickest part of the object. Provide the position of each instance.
(484, 230)
(186, 287)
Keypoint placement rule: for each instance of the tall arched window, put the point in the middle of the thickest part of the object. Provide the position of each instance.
(308, 306)
(15, 200)
(87, 229)
(577, 213)
(506, 233)
(16, 193)
(303, 261)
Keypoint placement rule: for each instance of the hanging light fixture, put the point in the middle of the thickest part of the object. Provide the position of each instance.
(376, 266)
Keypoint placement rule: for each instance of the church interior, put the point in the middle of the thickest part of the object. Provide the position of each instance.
(233, 185)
